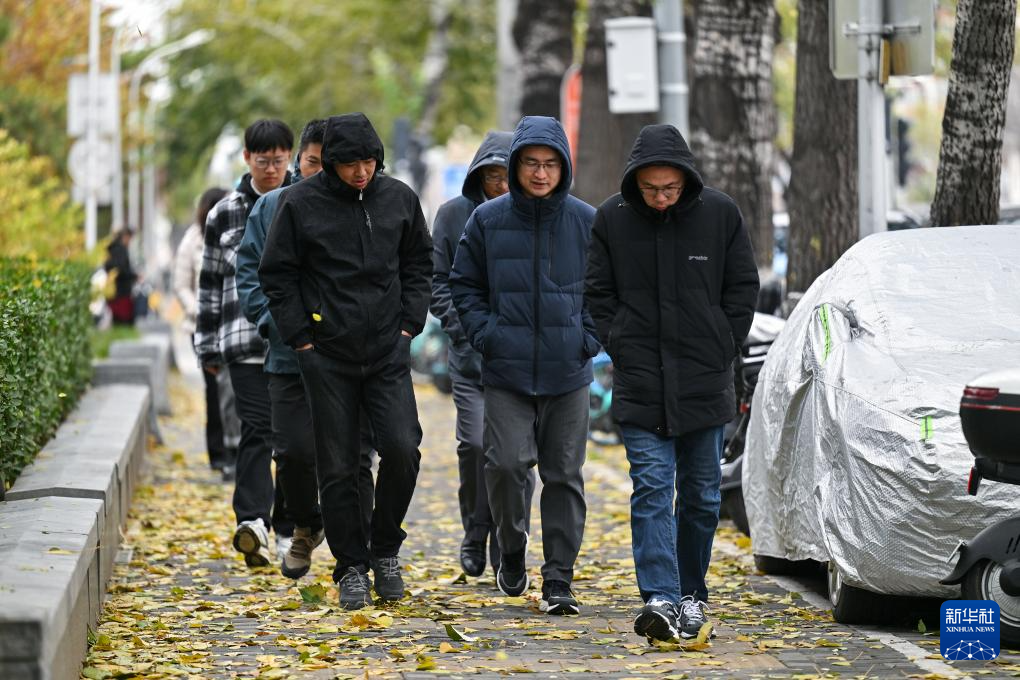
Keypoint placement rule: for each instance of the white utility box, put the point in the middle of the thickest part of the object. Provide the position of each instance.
(631, 65)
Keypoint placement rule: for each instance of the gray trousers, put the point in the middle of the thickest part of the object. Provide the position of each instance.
(552, 432)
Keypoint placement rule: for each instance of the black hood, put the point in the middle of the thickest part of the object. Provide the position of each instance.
(350, 137)
(495, 150)
(660, 145)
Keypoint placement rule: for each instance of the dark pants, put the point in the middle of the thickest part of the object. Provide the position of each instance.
(552, 432)
(469, 398)
(255, 495)
(337, 391)
(219, 454)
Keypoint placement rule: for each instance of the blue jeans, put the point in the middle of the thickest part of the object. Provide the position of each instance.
(673, 542)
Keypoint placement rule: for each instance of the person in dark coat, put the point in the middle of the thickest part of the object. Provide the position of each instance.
(518, 283)
(346, 268)
(486, 179)
(118, 264)
(671, 285)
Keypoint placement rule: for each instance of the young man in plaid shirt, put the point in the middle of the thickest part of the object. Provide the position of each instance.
(226, 340)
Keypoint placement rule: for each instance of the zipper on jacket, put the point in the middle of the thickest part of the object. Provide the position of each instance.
(537, 268)
(368, 218)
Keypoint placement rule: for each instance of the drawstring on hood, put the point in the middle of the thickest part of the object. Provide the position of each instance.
(661, 145)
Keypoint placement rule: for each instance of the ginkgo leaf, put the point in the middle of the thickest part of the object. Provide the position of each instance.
(313, 594)
(456, 635)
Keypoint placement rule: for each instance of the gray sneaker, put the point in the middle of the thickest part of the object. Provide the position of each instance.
(296, 562)
(354, 588)
(389, 584)
(657, 620)
(692, 617)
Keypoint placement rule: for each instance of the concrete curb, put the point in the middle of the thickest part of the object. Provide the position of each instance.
(60, 523)
(156, 348)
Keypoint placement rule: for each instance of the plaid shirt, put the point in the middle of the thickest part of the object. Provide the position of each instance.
(222, 334)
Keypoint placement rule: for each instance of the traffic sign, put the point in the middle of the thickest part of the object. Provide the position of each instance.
(78, 104)
(78, 164)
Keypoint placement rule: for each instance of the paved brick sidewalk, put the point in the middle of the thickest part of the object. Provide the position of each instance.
(183, 604)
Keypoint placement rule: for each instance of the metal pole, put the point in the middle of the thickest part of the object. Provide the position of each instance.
(508, 94)
(149, 192)
(871, 163)
(118, 170)
(92, 130)
(669, 17)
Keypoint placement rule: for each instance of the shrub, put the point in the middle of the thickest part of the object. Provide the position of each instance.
(44, 353)
(39, 218)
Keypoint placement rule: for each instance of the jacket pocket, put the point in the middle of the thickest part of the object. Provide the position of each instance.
(726, 343)
(616, 328)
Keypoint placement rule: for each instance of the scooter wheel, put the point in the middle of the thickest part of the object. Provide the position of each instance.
(982, 583)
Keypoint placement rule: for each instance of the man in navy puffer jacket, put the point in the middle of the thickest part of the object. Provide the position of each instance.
(518, 285)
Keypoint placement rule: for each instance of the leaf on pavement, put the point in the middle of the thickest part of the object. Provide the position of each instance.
(313, 594)
(456, 635)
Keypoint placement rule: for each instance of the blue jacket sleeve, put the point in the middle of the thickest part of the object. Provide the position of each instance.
(469, 282)
(249, 290)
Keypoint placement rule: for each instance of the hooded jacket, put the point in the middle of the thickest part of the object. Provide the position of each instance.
(446, 231)
(518, 279)
(672, 294)
(348, 270)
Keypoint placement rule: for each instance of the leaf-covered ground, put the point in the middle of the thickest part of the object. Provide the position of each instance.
(182, 603)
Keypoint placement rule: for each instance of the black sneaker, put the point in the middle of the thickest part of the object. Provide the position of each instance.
(389, 585)
(658, 620)
(692, 617)
(512, 577)
(354, 588)
(472, 557)
(557, 598)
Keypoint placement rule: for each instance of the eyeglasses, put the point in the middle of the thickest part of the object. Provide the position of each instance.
(261, 162)
(495, 179)
(669, 193)
(532, 165)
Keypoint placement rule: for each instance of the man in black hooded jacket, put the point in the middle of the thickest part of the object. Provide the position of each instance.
(671, 286)
(347, 269)
(487, 178)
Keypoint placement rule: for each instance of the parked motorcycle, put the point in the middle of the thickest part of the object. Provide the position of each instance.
(764, 330)
(988, 567)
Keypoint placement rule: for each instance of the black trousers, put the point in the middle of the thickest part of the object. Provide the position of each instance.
(337, 391)
(255, 494)
(219, 454)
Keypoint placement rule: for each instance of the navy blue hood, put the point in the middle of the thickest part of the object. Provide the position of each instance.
(545, 131)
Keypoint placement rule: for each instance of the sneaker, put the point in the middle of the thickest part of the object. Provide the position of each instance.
(389, 585)
(252, 539)
(228, 473)
(557, 598)
(658, 620)
(354, 588)
(283, 546)
(472, 557)
(692, 617)
(512, 577)
(296, 562)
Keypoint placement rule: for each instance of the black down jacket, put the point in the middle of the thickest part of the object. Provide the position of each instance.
(672, 294)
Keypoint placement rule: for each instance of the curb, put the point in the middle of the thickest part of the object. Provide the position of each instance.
(60, 524)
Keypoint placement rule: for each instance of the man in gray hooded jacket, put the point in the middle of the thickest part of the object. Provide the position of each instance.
(486, 179)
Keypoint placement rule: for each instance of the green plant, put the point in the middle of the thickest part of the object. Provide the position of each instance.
(44, 353)
(100, 340)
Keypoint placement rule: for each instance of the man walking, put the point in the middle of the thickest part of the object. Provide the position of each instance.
(486, 179)
(517, 282)
(226, 340)
(672, 286)
(293, 442)
(347, 269)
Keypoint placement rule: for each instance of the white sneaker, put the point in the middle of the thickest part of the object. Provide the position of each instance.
(283, 546)
(252, 539)
(296, 562)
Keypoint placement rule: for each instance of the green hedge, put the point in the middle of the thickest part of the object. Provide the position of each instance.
(44, 353)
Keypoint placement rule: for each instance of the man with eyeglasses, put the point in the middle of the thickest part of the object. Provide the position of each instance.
(347, 270)
(226, 340)
(518, 283)
(672, 286)
(486, 179)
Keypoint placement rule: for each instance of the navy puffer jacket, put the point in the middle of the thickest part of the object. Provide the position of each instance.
(518, 279)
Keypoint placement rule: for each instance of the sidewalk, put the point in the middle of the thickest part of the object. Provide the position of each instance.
(183, 604)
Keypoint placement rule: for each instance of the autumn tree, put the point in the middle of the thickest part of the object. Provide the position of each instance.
(544, 34)
(733, 113)
(970, 160)
(822, 197)
(605, 138)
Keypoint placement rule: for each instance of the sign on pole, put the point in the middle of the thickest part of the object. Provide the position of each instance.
(78, 104)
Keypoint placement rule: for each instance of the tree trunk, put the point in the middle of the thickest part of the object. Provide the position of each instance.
(605, 138)
(970, 160)
(733, 114)
(544, 33)
(822, 197)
